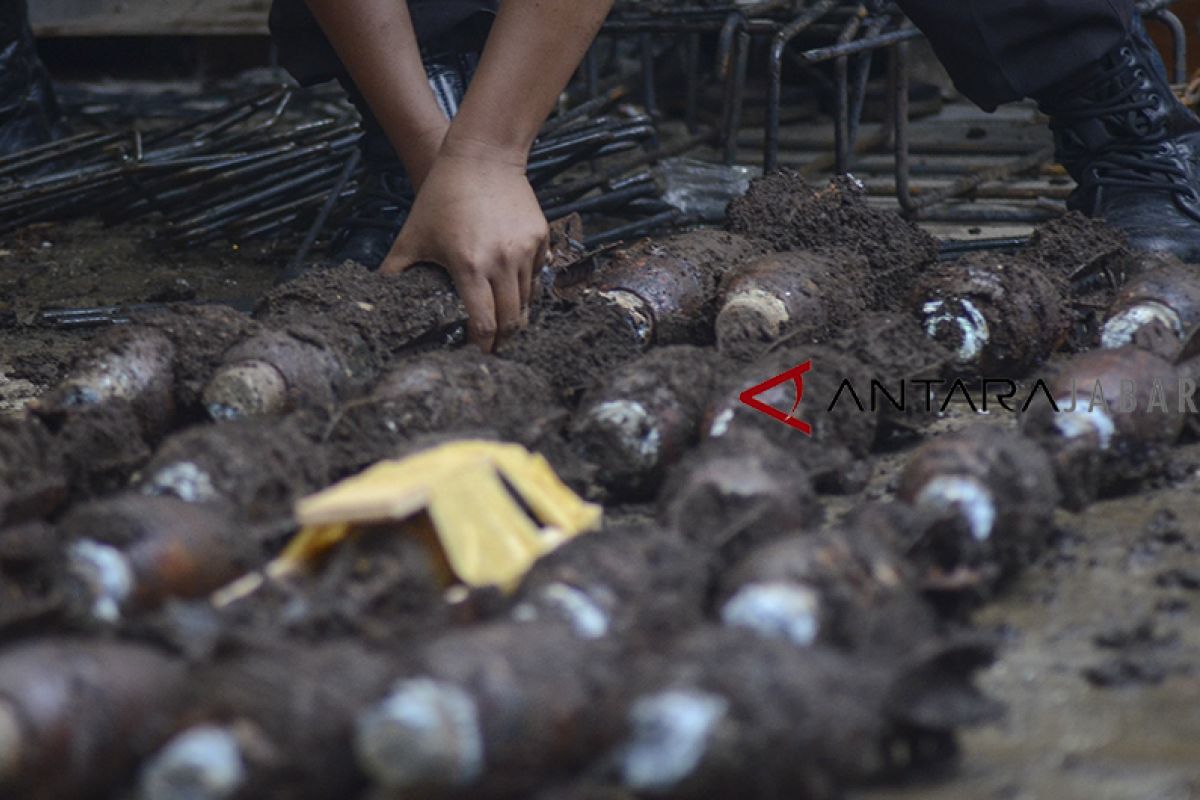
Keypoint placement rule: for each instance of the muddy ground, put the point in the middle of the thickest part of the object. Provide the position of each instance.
(1098, 669)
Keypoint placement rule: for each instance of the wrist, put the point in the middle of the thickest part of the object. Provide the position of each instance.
(465, 146)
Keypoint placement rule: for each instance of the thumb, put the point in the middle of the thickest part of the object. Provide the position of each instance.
(402, 256)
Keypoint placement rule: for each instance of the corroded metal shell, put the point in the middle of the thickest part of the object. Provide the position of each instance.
(808, 295)
(998, 314)
(988, 496)
(677, 278)
(1117, 412)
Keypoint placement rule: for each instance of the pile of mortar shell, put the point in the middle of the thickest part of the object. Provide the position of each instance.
(720, 635)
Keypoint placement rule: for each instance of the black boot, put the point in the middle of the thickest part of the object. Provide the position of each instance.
(385, 196)
(1133, 148)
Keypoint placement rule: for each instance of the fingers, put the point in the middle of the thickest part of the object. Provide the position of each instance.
(531, 270)
(479, 298)
(507, 296)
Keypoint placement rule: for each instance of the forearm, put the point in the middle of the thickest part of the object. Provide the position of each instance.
(534, 48)
(376, 42)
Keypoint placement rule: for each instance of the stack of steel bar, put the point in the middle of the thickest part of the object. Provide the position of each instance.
(255, 168)
(804, 35)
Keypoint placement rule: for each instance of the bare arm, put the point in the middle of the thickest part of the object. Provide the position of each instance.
(376, 42)
(476, 215)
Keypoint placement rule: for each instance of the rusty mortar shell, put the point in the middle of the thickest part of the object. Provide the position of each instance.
(841, 435)
(807, 295)
(136, 551)
(718, 719)
(1168, 295)
(75, 715)
(250, 466)
(11, 742)
(788, 610)
(273, 719)
(425, 733)
(641, 419)
(996, 313)
(731, 494)
(490, 711)
(205, 762)
(827, 587)
(1104, 423)
(134, 365)
(670, 736)
(629, 583)
(272, 373)
(990, 495)
(674, 282)
(1117, 412)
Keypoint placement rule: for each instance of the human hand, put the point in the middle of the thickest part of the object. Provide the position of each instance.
(477, 217)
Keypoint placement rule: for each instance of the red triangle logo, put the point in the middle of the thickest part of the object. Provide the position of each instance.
(796, 376)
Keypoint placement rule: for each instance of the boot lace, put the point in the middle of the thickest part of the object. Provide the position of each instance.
(1138, 155)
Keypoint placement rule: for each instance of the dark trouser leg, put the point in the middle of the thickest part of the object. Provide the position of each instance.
(451, 34)
(29, 113)
(998, 51)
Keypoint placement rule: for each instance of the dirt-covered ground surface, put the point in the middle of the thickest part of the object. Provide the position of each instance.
(1099, 634)
(1098, 668)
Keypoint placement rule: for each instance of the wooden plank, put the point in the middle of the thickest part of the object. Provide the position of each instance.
(148, 17)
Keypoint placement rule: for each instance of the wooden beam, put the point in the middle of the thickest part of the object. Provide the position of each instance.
(148, 17)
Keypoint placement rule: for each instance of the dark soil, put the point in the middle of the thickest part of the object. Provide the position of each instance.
(784, 209)
(388, 315)
(572, 344)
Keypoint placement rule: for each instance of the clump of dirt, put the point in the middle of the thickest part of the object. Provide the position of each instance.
(388, 314)
(1090, 257)
(573, 343)
(259, 467)
(1074, 247)
(33, 479)
(201, 335)
(102, 447)
(381, 586)
(997, 313)
(785, 210)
